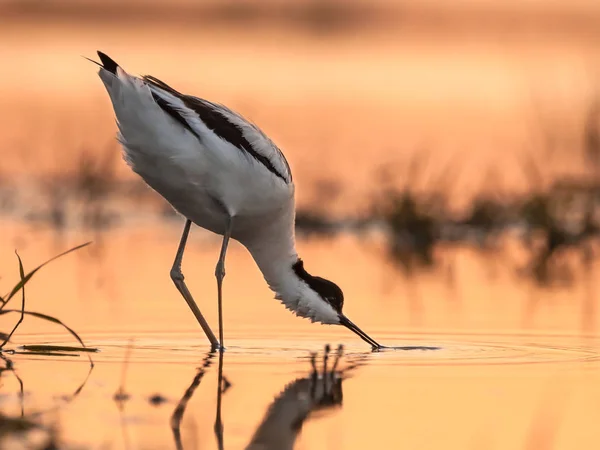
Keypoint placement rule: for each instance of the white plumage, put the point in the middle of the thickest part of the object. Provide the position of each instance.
(225, 175)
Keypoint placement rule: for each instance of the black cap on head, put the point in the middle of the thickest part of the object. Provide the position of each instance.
(332, 294)
(329, 291)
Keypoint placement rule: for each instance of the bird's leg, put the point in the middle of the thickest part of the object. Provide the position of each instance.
(177, 277)
(338, 356)
(218, 419)
(220, 274)
(314, 375)
(177, 415)
(325, 358)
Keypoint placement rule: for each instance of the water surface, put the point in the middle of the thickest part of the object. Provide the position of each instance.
(497, 377)
(515, 365)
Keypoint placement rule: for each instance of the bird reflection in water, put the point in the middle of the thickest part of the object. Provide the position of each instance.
(319, 391)
(301, 398)
(177, 415)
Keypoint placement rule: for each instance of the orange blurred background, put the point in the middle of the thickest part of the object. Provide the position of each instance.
(351, 91)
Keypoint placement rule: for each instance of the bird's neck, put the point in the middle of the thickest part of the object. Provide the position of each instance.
(274, 251)
(280, 266)
(284, 418)
(273, 248)
(275, 254)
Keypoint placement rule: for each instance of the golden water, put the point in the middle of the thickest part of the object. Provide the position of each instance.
(517, 365)
(515, 368)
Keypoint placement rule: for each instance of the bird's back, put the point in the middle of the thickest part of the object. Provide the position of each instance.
(203, 158)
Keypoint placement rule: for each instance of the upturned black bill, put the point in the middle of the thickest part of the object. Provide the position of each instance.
(364, 336)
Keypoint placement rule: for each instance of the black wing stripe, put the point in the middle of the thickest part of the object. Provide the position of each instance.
(161, 84)
(230, 132)
(213, 119)
(166, 107)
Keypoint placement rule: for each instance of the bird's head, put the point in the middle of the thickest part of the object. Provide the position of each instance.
(322, 301)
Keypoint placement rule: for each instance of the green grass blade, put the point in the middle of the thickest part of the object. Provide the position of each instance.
(72, 355)
(21, 270)
(49, 319)
(27, 277)
(56, 348)
(22, 274)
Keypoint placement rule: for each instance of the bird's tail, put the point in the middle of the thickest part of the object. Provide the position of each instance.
(108, 63)
(110, 72)
(138, 116)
